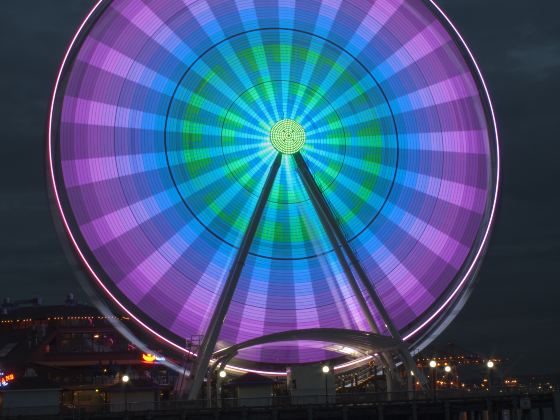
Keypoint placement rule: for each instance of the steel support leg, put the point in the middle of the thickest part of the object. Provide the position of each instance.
(325, 212)
(340, 256)
(214, 328)
(328, 228)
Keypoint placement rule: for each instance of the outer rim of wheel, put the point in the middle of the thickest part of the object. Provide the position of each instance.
(437, 319)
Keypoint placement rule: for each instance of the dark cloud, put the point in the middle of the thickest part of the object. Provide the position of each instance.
(513, 310)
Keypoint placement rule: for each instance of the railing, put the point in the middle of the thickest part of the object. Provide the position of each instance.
(278, 402)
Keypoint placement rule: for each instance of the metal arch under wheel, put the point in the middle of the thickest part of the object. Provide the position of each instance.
(362, 341)
(367, 343)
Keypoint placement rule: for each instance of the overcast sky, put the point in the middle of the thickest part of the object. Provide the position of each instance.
(515, 309)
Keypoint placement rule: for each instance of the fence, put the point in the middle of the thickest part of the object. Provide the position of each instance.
(512, 398)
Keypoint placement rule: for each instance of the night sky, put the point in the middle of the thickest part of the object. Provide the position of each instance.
(514, 310)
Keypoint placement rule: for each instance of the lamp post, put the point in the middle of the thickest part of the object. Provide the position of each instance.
(125, 378)
(490, 366)
(447, 370)
(326, 370)
(433, 365)
(221, 376)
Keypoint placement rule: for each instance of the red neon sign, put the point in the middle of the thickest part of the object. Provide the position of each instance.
(6, 379)
(151, 358)
(148, 358)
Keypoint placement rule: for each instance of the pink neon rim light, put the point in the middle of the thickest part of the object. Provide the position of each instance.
(450, 298)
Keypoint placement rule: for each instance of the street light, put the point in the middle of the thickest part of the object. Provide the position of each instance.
(490, 366)
(326, 369)
(433, 365)
(412, 380)
(221, 376)
(125, 378)
(447, 370)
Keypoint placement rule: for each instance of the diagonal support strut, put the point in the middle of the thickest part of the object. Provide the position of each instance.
(215, 326)
(332, 228)
(309, 184)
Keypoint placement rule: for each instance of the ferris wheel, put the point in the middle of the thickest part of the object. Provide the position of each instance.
(243, 168)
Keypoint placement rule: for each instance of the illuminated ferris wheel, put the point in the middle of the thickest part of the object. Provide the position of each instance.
(242, 169)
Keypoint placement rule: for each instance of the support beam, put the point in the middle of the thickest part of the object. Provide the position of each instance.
(328, 226)
(340, 255)
(215, 326)
(325, 213)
